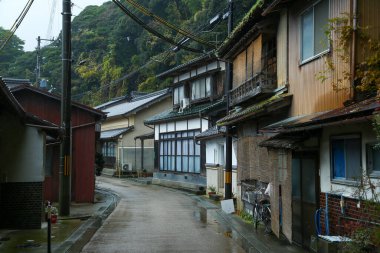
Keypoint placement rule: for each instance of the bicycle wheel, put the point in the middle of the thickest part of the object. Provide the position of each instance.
(267, 219)
(256, 217)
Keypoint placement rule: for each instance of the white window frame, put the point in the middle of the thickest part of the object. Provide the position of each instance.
(314, 56)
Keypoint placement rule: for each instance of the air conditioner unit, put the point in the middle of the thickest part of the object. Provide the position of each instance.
(127, 167)
(185, 102)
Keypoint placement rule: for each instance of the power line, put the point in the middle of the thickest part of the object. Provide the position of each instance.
(51, 19)
(17, 23)
(151, 30)
(167, 24)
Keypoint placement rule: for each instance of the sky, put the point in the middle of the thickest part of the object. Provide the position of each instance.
(36, 21)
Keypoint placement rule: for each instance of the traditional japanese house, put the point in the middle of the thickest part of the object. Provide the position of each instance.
(85, 121)
(258, 96)
(127, 144)
(197, 100)
(325, 146)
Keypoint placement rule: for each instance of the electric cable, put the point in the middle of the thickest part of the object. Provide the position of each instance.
(166, 23)
(17, 23)
(51, 19)
(151, 30)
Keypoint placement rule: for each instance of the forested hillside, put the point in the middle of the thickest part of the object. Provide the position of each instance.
(113, 55)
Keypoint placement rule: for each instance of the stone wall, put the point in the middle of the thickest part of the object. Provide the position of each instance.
(21, 205)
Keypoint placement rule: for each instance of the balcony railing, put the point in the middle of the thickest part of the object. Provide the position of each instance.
(258, 84)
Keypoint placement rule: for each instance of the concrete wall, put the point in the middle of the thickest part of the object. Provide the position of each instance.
(115, 123)
(21, 153)
(138, 122)
(216, 178)
(21, 173)
(183, 181)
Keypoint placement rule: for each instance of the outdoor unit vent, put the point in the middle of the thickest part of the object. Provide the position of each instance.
(127, 167)
(185, 102)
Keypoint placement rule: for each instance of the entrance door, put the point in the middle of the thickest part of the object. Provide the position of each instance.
(305, 195)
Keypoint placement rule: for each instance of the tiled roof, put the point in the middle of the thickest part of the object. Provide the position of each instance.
(193, 110)
(346, 114)
(255, 109)
(22, 87)
(245, 25)
(183, 67)
(114, 133)
(283, 141)
(212, 132)
(135, 104)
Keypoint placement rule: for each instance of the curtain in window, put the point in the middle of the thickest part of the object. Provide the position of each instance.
(179, 152)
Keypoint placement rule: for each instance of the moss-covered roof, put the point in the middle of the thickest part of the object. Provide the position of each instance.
(255, 109)
(246, 24)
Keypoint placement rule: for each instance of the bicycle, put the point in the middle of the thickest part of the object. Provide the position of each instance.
(262, 213)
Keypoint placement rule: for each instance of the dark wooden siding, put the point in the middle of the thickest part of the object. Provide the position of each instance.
(83, 142)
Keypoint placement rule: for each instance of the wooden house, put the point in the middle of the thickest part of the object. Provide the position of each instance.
(259, 97)
(85, 121)
(22, 156)
(326, 144)
(197, 92)
(325, 140)
(127, 144)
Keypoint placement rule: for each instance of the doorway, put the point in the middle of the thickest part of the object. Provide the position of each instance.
(305, 196)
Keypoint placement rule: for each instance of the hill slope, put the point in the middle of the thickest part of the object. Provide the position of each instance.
(113, 55)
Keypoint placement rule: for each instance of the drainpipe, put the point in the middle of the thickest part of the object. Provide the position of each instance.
(327, 214)
(353, 47)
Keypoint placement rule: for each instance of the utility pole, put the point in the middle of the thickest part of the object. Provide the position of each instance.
(38, 66)
(228, 86)
(65, 163)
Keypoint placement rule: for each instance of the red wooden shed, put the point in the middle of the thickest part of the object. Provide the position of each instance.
(47, 106)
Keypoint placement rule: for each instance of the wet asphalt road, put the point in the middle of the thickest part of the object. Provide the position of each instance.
(151, 218)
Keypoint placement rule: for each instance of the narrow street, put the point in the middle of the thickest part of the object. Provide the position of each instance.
(151, 218)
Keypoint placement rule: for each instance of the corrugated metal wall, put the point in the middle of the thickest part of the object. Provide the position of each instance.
(310, 94)
(369, 18)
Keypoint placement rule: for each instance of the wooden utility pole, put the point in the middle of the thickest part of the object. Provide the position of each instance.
(38, 65)
(65, 165)
(228, 86)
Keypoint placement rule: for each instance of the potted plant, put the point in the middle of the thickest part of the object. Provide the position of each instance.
(53, 213)
(211, 190)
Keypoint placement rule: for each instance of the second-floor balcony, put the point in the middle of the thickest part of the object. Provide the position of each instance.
(260, 83)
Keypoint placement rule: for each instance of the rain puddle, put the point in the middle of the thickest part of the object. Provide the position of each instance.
(35, 240)
(210, 218)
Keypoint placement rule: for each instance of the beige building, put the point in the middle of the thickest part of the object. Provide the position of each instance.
(127, 144)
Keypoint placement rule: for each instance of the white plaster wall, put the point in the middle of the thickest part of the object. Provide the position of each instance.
(212, 177)
(22, 154)
(204, 125)
(194, 123)
(181, 125)
(212, 147)
(171, 127)
(156, 132)
(367, 136)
